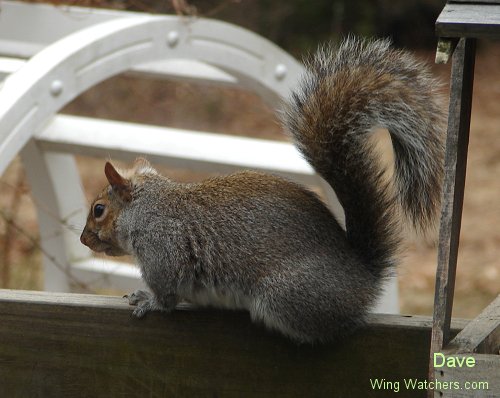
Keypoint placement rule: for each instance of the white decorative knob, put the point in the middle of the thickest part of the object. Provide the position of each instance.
(172, 38)
(56, 88)
(280, 71)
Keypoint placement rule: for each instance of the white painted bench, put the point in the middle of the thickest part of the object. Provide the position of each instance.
(43, 69)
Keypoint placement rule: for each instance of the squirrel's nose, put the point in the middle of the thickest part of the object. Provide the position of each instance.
(82, 238)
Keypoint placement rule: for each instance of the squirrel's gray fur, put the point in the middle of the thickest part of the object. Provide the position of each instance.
(265, 244)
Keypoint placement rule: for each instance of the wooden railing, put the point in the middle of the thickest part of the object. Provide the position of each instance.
(72, 345)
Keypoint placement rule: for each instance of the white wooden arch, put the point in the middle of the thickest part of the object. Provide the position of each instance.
(31, 97)
(62, 71)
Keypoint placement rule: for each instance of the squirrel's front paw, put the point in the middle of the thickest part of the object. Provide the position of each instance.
(138, 296)
(147, 301)
(144, 300)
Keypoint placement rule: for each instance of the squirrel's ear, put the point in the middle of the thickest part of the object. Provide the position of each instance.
(120, 185)
(142, 166)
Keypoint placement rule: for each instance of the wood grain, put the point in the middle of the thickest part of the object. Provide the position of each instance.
(476, 1)
(457, 141)
(469, 20)
(482, 380)
(71, 345)
(481, 335)
(480, 340)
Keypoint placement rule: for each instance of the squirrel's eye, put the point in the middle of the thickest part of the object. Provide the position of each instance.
(98, 210)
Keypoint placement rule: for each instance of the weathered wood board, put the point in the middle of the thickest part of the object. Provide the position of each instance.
(474, 354)
(69, 345)
(457, 142)
(476, 1)
(480, 380)
(469, 20)
(481, 335)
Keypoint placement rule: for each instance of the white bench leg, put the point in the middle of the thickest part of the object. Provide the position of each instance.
(55, 183)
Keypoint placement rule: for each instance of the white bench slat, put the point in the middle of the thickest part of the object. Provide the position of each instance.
(174, 147)
(101, 273)
(184, 70)
(109, 274)
(9, 65)
(175, 69)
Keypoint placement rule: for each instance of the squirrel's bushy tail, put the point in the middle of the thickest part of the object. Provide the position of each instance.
(347, 92)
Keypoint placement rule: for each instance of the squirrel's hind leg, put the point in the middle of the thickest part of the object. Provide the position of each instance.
(275, 315)
(306, 310)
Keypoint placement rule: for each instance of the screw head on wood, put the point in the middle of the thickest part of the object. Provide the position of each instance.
(280, 71)
(56, 88)
(172, 38)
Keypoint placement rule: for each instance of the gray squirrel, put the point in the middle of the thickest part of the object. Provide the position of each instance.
(265, 244)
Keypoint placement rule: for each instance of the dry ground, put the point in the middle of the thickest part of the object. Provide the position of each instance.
(236, 112)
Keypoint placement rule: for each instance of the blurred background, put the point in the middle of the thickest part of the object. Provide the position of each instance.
(298, 26)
